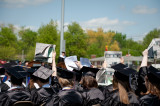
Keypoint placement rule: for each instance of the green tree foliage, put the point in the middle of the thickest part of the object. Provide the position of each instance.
(7, 37)
(151, 35)
(7, 53)
(48, 33)
(27, 39)
(75, 40)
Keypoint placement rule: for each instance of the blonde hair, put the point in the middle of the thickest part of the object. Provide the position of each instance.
(152, 88)
(66, 82)
(123, 87)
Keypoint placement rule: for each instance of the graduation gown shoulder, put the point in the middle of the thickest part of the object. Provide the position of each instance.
(4, 99)
(41, 95)
(66, 98)
(149, 100)
(4, 87)
(18, 95)
(92, 96)
(114, 100)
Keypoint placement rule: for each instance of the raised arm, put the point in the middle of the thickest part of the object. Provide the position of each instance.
(54, 64)
(145, 58)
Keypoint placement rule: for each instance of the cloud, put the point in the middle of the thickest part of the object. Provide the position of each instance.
(144, 10)
(22, 3)
(106, 24)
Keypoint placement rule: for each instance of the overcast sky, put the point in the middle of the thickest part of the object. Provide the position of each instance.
(135, 18)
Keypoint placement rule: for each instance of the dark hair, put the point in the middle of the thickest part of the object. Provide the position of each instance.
(89, 82)
(2, 71)
(61, 65)
(16, 81)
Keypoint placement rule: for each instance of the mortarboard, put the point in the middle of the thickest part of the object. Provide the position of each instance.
(17, 72)
(78, 74)
(8, 65)
(64, 73)
(89, 71)
(122, 72)
(43, 73)
(153, 74)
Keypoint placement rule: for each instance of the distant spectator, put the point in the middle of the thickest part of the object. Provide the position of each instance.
(62, 57)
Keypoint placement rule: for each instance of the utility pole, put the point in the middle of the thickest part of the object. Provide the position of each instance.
(128, 57)
(62, 27)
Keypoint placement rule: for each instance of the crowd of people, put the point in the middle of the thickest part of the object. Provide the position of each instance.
(57, 86)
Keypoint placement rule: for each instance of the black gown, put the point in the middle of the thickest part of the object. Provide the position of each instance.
(18, 94)
(106, 90)
(66, 98)
(149, 100)
(42, 95)
(4, 99)
(114, 100)
(3, 87)
(92, 96)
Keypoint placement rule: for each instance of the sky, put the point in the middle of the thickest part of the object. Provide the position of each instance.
(135, 18)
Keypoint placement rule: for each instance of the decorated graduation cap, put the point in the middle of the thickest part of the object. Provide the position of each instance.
(43, 73)
(17, 71)
(122, 72)
(88, 71)
(64, 73)
(153, 74)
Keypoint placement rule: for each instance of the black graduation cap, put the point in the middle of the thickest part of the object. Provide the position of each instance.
(153, 73)
(89, 71)
(43, 73)
(17, 72)
(64, 73)
(78, 74)
(8, 65)
(122, 72)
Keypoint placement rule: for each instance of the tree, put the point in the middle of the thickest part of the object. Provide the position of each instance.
(75, 40)
(7, 37)
(151, 35)
(48, 33)
(7, 53)
(27, 39)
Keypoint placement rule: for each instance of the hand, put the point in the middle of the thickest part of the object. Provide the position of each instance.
(104, 65)
(145, 52)
(122, 60)
(78, 63)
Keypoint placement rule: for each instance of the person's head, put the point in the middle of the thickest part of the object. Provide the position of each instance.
(66, 82)
(89, 82)
(43, 74)
(63, 53)
(19, 62)
(62, 65)
(152, 81)
(15, 81)
(65, 77)
(121, 81)
(26, 63)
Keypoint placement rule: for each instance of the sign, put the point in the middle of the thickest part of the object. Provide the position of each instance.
(43, 52)
(112, 57)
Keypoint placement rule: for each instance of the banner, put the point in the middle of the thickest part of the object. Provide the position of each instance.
(43, 52)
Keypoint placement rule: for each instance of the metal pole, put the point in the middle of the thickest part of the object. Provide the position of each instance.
(128, 57)
(62, 27)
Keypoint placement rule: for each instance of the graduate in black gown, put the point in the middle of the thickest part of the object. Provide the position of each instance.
(4, 99)
(17, 92)
(152, 82)
(44, 93)
(91, 94)
(68, 96)
(122, 94)
(3, 86)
